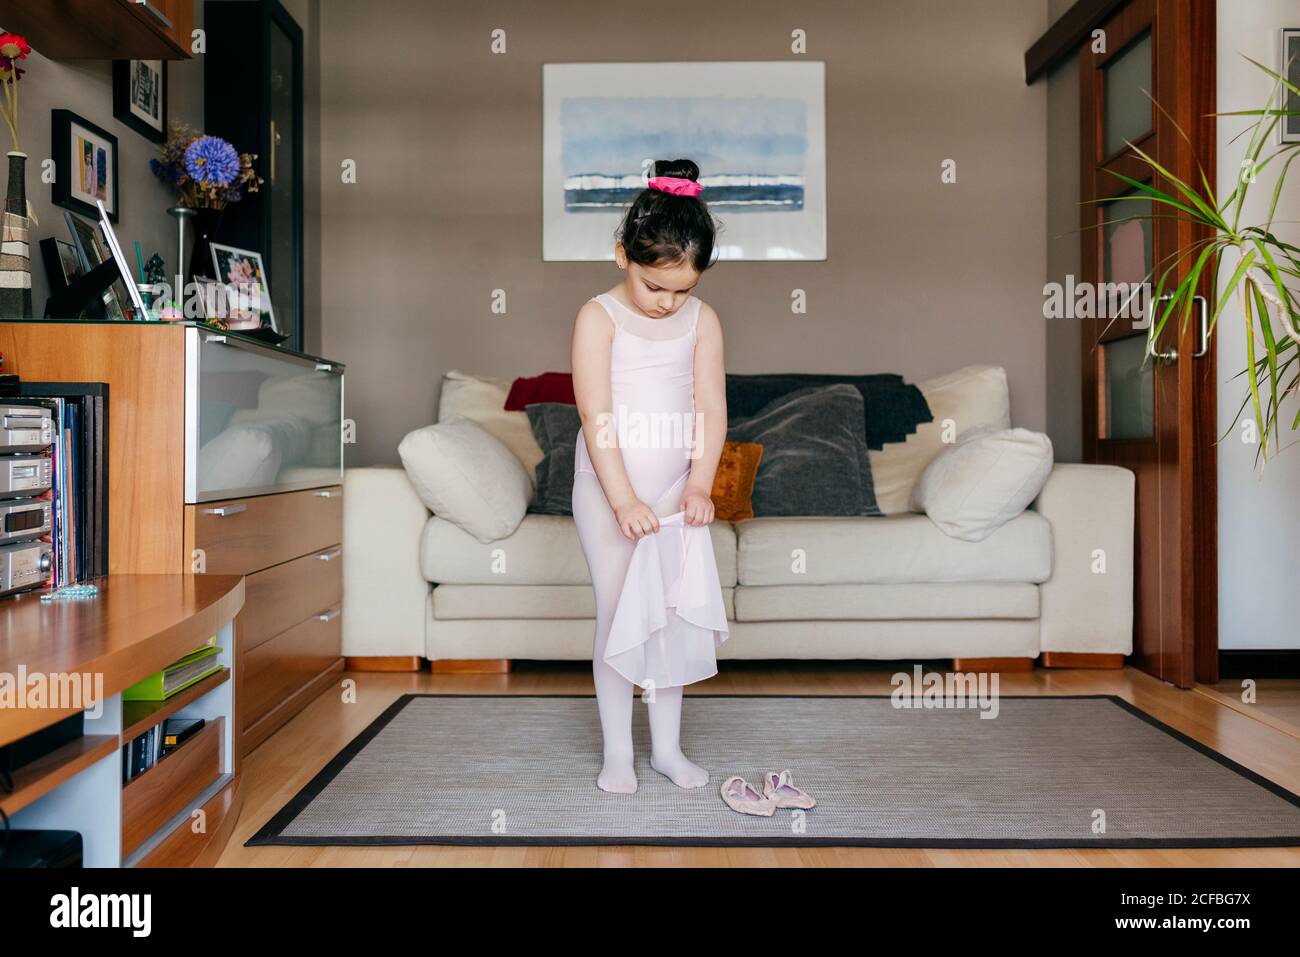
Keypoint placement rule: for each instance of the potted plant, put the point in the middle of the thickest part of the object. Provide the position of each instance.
(1264, 268)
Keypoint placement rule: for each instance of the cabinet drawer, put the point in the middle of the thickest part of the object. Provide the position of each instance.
(277, 668)
(278, 598)
(243, 535)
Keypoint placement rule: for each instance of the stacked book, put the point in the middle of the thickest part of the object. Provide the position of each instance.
(150, 747)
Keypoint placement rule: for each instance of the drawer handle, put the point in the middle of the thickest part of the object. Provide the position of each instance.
(330, 615)
(327, 494)
(225, 511)
(324, 367)
(219, 340)
(331, 555)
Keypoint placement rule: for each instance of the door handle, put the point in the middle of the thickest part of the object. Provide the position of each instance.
(1168, 355)
(225, 511)
(1203, 332)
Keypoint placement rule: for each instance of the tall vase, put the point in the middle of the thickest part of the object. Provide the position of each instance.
(15, 245)
(182, 215)
(206, 222)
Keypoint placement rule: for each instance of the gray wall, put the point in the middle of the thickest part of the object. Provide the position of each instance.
(921, 277)
(1063, 358)
(1259, 513)
(86, 88)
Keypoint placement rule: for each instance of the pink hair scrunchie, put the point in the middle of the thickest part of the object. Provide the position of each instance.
(675, 185)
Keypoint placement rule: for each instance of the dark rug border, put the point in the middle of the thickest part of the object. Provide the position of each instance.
(269, 833)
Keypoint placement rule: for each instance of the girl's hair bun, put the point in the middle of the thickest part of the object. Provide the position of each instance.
(680, 168)
(661, 228)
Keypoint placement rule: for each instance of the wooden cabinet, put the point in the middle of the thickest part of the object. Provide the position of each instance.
(289, 547)
(104, 29)
(225, 457)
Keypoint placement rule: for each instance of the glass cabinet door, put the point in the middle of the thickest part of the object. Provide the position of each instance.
(258, 420)
(284, 176)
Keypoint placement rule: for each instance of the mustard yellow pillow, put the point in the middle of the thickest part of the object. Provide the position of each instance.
(733, 484)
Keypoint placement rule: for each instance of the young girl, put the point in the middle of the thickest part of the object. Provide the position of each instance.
(648, 354)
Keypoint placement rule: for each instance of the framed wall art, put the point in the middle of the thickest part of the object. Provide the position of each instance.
(85, 166)
(756, 130)
(140, 96)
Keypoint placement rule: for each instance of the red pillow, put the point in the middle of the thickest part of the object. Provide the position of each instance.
(547, 387)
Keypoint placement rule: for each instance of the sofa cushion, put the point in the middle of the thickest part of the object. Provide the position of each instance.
(970, 398)
(733, 483)
(973, 488)
(555, 426)
(466, 476)
(483, 399)
(952, 600)
(897, 548)
(544, 550)
(527, 601)
(814, 455)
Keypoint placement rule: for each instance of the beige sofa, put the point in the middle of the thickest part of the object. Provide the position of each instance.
(1057, 578)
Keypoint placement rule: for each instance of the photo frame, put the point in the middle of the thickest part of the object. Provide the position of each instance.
(1288, 127)
(62, 266)
(123, 265)
(85, 166)
(243, 274)
(140, 97)
(214, 300)
(91, 251)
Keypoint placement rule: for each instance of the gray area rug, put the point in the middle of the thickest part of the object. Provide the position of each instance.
(1045, 772)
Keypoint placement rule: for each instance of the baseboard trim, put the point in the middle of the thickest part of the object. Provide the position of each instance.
(1265, 663)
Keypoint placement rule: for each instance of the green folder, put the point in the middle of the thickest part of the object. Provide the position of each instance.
(177, 676)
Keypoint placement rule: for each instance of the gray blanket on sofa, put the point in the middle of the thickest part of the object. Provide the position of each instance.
(894, 408)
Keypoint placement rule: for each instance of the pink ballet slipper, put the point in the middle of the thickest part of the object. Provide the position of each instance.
(742, 796)
(781, 790)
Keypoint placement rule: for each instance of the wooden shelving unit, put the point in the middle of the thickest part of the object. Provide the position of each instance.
(140, 716)
(103, 29)
(135, 626)
(34, 781)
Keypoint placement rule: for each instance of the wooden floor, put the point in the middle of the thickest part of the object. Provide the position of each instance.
(288, 760)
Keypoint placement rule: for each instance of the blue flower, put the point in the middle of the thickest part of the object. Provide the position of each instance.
(211, 160)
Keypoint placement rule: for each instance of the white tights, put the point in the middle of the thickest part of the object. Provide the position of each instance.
(608, 555)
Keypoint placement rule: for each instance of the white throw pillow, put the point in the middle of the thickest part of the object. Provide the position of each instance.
(973, 397)
(483, 399)
(973, 488)
(466, 475)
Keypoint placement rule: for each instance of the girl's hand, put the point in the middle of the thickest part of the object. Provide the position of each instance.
(636, 518)
(698, 508)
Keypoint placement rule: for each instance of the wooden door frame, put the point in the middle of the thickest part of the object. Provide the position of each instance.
(1191, 476)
